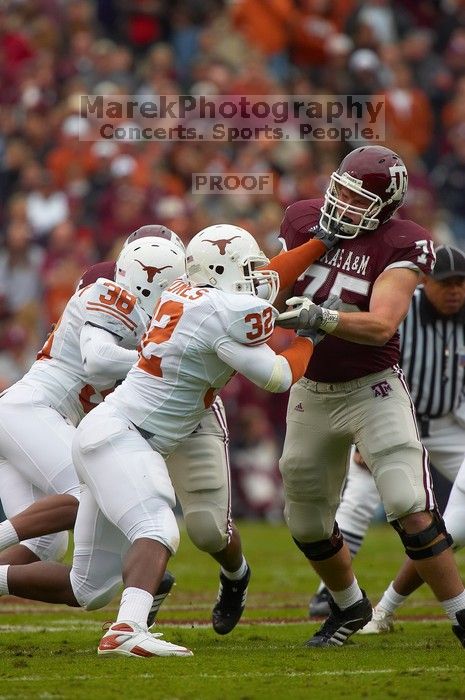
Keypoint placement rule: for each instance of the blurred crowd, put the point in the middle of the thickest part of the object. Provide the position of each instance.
(66, 203)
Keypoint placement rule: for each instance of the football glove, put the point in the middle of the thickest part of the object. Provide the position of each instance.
(308, 318)
(327, 237)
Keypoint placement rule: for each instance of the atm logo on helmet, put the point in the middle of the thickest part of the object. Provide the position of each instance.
(399, 182)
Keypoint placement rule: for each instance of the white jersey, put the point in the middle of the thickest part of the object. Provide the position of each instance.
(58, 372)
(179, 371)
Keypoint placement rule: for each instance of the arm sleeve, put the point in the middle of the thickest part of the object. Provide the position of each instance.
(260, 364)
(101, 354)
(291, 264)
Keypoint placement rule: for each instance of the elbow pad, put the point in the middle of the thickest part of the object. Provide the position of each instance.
(281, 377)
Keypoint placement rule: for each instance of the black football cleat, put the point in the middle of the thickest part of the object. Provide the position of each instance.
(230, 603)
(459, 630)
(319, 604)
(341, 624)
(166, 584)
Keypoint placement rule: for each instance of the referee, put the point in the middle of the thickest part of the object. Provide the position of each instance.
(432, 358)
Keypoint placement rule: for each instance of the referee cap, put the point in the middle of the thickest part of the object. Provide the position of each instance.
(450, 262)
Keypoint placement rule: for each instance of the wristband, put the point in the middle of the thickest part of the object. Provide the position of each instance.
(330, 320)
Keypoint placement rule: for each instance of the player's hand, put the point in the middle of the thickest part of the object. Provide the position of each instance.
(304, 315)
(297, 314)
(316, 335)
(328, 238)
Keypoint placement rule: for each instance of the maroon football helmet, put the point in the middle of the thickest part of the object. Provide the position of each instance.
(373, 172)
(101, 269)
(157, 231)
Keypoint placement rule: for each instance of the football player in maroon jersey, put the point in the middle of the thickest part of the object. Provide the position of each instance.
(354, 390)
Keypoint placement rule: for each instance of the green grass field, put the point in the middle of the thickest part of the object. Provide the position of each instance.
(50, 651)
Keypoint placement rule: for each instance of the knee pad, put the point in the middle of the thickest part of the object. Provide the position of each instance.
(205, 532)
(324, 549)
(49, 547)
(92, 598)
(311, 521)
(156, 521)
(399, 484)
(419, 545)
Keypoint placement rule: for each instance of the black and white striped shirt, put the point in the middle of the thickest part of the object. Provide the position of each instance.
(432, 356)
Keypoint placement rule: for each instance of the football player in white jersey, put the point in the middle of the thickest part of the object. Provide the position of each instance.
(199, 469)
(204, 329)
(91, 347)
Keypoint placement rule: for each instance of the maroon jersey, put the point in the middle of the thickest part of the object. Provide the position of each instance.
(350, 270)
(105, 269)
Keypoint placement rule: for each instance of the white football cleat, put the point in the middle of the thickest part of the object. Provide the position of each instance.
(129, 639)
(381, 622)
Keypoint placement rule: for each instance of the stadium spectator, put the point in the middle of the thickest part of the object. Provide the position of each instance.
(388, 21)
(366, 72)
(449, 178)
(429, 72)
(21, 286)
(256, 482)
(46, 207)
(66, 258)
(267, 26)
(16, 353)
(408, 113)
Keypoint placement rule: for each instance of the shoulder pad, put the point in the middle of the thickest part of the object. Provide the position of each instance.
(412, 243)
(298, 219)
(248, 320)
(113, 308)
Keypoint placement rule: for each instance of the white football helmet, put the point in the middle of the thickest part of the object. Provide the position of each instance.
(157, 231)
(226, 257)
(148, 265)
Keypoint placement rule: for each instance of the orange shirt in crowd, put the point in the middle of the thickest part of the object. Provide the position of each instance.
(409, 118)
(264, 23)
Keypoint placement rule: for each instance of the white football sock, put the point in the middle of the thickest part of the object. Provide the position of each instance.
(236, 575)
(453, 605)
(4, 590)
(8, 535)
(135, 606)
(344, 599)
(391, 600)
